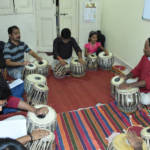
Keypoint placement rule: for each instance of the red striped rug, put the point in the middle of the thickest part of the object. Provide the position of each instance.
(88, 129)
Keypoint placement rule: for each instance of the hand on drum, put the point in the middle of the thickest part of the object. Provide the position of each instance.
(26, 63)
(82, 61)
(134, 140)
(39, 133)
(63, 63)
(106, 52)
(124, 86)
(123, 76)
(41, 111)
(39, 59)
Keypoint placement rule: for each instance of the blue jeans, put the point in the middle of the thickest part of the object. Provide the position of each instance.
(17, 91)
(15, 73)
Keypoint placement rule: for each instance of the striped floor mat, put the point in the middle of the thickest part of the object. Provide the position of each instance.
(88, 129)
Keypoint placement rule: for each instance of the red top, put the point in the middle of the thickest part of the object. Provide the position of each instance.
(142, 71)
(13, 102)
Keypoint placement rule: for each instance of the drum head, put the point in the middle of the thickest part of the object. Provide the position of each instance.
(50, 117)
(36, 78)
(146, 132)
(41, 87)
(92, 56)
(102, 55)
(42, 63)
(75, 61)
(30, 66)
(117, 81)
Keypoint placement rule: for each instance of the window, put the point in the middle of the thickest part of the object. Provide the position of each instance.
(146, 12)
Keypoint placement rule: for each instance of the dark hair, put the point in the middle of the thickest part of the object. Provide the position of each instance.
(10, 29)
(5, 91)
(10, 144)
(91, 34)
(66, 33)
(149, 41)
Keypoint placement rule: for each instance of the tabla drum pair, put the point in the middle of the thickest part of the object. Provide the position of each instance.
(46, 143)
(32, 79)
(120, 142)
(38, 94)
(31, 68)
(105, 61)
(77, 69)
(128, 99)
(42, 67)
(115, 82)
(92, 62)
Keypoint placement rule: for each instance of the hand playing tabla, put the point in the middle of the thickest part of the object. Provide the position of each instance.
(134, 140)
(39, 133)
(42, 111)
(82, 61)
(124, 86)
(63, 63)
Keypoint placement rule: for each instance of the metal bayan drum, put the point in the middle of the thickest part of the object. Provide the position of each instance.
(42, 67)
(47, 121)
(128, 99)
(77, 69)
(145, 134)
(115, 82)
(38, 94)
(92, 62)
(105, 61)
(120, 142)
(45, 143)
(31, 79)
(29, 69)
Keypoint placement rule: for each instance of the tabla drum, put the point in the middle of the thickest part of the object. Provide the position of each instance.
(92, 62)
(45, 143)
(77, 69)
(105, 61)
(120, 142)
(145, 134)
(59, 71)
(47, 121)
(128, 99)
(29, 69)
(115, 82)
(31, 79)
(38, 94)
(42, 67)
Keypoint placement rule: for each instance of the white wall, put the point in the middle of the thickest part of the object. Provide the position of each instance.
(124, 29)
(26, 23)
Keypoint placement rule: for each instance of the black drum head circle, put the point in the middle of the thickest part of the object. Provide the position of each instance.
(37, 78)
(40, 62)
(41, 116)
(148, 130)
(117, 79)
(30, 65)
